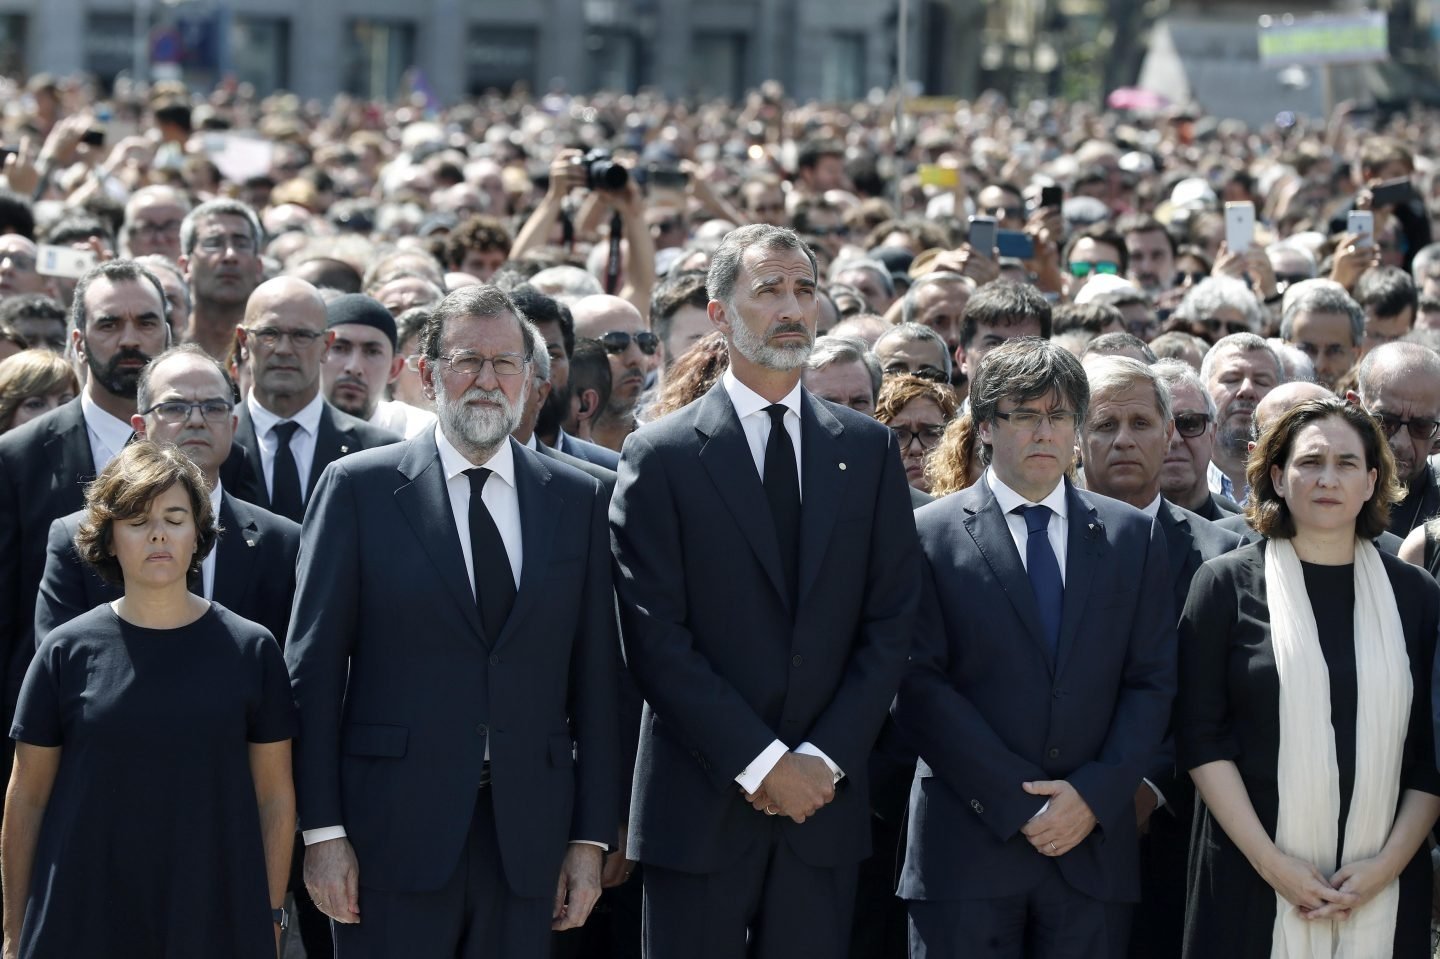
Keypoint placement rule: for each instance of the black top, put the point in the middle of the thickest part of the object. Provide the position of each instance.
(1228, 708)
(151, 843)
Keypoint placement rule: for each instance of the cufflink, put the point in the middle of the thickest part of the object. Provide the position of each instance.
(842, 466)
(249, 542)
(344, 449)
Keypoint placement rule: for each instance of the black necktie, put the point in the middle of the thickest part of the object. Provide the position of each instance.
(782, 489)
(494, 579)
(1043, 569)
(285, 477)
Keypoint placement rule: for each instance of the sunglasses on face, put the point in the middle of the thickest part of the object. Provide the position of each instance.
(1191, 425)
(618, 341)
(1420, 429)
(1082, 270)
(1228, 326)
(1190, 276)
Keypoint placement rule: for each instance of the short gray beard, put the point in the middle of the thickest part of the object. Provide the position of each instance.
(753, 346)
(476, 431)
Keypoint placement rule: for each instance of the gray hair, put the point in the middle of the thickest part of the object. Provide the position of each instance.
(566, 281)
(1241, 343)
(221, 207)
(1296, 366)
(1178, 373)
(116, 271)
(1413, 359)
(1025, 368)
(142, 385)
(481, 300)
(846, 349)
(536, 347)
(908, 306)
(725, 264)
(1215, 292)
(919, 332)
(1110, 373)
(1427, 257)
(887, 283)
(1312, 267)
(1110, 344)
(1323, 296)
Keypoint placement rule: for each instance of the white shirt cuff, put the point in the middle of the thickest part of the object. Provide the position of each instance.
(1041, 811)
(324, 833)
(1159, 796)
(604, 847)
(810, 749)
(754, 774)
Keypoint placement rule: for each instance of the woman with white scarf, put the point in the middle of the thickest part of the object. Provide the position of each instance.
(1303, 712)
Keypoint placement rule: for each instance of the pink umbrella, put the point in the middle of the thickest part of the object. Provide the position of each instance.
(1135, 99)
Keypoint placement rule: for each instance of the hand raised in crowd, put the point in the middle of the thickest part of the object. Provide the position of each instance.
(20, 171)
(63, 142)
(579, 887)
(332, 876)
(798, 787)
(1064, 824)
(566, 174)
(1045, 228)
(1352, 260)
(967, 261)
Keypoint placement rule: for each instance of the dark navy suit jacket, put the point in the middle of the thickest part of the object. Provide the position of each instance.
(399, 687)
(726, 660)
(254, 570)
(987, 709)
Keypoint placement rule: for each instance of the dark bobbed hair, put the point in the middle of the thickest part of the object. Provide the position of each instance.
(1268, 512)
(1027, 368)
(125, 489)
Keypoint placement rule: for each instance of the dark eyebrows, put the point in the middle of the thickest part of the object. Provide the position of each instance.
(147, 315)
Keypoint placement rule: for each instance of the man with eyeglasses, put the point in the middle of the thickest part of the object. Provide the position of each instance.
(153, 216)
(632, 350)
(913, 349)
(458, 782)
(1003, 202)
(288, 432)
(185, 398)
(1184, 476)
(1323, 322)
(362, 361)
(220, 254)
(1399, 385)
(118, 325)
(1037, 711)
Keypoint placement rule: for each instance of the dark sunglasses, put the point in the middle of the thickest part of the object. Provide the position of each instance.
(1419, 429)
(1082, 270)
(1192, 424)
(1228, 326)
(618, 341)
(1194, 276)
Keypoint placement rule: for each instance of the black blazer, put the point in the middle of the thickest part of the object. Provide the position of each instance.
(340, 434)
(1386, 542)
(254, 570)
(44, 466)
(605, 477)
(726, 661)
(585, 450)
(399, 688)
(987, 709)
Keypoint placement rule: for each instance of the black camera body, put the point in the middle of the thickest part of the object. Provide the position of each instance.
(602, 172)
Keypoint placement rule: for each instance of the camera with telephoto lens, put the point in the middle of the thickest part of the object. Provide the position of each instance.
(602, 172)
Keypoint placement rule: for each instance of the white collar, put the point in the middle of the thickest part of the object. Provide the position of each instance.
(1153, 510)
(308, 417)
(747, 402)
(113, 432)
(215, 495)
(453, 462)
(1010, 500)
(532, 443)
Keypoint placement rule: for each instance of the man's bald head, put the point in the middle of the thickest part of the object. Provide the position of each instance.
(1284, 397)
(285, 334)
(601, 313)
(628, 343)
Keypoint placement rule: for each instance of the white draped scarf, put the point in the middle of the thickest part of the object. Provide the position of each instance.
(1307, 826)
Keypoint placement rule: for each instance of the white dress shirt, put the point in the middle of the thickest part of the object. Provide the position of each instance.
(503, 502)
(108, 435)
(207, 565)
(1058, 530)
(750, 408)
(402, 418)
(302, 444)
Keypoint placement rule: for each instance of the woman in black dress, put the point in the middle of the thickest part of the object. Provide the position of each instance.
(151, 810)
(1303, 712)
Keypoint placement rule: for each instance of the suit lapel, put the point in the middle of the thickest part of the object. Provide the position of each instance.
(425, 504)
(68, 449)
(249, 476)
(235, 553)
(726, 456)
(1083, 552)
(822, 482)
(991, 533)
(539, 513)
(331, 442)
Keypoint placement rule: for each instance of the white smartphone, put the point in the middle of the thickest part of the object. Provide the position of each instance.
(1363, 223)
(64, 261)
(1239, 226)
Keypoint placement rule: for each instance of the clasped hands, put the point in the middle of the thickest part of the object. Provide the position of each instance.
(1065, 822)
(1315, 897)
(797, 787)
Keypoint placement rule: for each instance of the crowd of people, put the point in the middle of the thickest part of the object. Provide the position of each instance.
(600, 526)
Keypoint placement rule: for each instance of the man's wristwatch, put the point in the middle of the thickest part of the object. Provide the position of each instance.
(281, 918)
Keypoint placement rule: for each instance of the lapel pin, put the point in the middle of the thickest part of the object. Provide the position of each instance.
(249, 542)
(842, 466)
(344, 449)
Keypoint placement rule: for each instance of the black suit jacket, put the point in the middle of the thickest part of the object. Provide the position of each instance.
(585, 450)
(1422, 502)
(339, 434)
(254, 570)
(399, 688)
(727, 662)
(605, 477)
(44, 466)
(987, 708)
